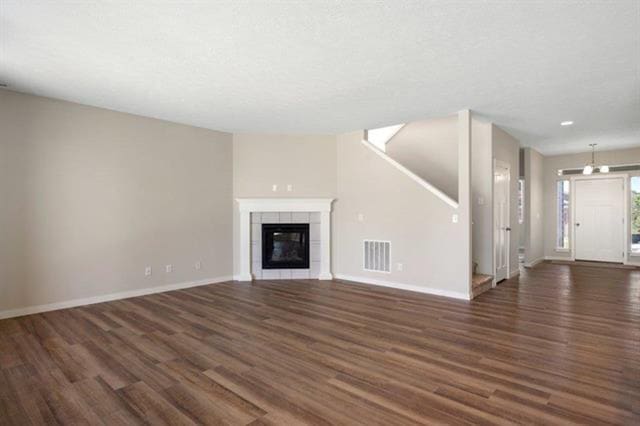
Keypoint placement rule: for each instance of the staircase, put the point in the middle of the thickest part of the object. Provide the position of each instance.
(480, 283)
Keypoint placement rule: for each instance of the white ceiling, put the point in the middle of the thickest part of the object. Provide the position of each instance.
(329, 67)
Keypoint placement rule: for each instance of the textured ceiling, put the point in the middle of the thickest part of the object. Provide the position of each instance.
(329, 67)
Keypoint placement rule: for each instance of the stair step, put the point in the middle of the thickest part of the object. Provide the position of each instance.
(480, 283)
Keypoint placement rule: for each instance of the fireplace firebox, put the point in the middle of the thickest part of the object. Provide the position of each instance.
(285, 246)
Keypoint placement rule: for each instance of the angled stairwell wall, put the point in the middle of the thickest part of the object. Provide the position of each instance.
(429, 148)
(377, 199)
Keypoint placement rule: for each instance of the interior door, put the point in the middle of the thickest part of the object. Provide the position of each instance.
(599, 220)
(501, 220)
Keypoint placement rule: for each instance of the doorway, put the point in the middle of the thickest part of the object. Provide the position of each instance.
(599, 219)
(501, 223)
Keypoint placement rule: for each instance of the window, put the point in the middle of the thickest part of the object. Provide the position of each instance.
(520, 201)
(635, 215)
(562, 202)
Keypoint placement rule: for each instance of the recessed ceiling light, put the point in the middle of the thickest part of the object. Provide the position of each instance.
(566, 123)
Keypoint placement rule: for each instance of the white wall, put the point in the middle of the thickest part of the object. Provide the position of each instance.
(482, 187)
(534, 210)
(90, 197)
(397, 209)
(429, 148)
(506, 148)
(261, 161)
(551, 167)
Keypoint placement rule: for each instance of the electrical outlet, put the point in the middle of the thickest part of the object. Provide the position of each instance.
(454, 218)
(147, 271)
(400, 267)
(198, 265)
(168, 268)
(274, 187)
(289, 187)
(360, 217)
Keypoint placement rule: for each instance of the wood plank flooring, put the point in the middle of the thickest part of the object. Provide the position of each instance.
(559, 345)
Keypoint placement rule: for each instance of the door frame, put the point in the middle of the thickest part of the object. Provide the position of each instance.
(625, 207)
(507, 166)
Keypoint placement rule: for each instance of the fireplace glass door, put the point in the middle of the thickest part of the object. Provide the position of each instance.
(285, 246)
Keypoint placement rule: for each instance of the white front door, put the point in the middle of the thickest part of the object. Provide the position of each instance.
(599, 219)
(502, 230)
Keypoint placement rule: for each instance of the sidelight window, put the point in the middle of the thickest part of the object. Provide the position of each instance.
(562, 206)
(635, 215)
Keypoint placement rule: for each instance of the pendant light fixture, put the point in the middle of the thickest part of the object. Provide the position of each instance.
(591, 167)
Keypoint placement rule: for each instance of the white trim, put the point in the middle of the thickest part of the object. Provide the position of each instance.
(444, 197)
(284, 204)
(566, 258)
(408, 287)
(629, 263)
(241, 277)
(534, 263)
(108, 297)
(514, 273)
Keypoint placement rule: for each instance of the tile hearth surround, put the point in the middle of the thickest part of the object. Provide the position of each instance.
(258, 218)
(255, 211)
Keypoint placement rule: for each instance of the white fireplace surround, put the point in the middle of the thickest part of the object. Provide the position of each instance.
(253, 205)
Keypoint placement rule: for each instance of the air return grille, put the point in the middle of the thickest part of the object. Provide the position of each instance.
(377, 256)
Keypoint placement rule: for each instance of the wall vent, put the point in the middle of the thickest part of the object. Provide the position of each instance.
(377, 256)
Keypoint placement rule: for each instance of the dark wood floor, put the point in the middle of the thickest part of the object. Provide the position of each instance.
(558, 345)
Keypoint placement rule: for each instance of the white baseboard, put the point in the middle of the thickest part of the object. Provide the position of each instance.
(567, 258)
(108, 297)
(418, 289)
(533, 263)
(514, 273)
(325, 277)
(241, 277)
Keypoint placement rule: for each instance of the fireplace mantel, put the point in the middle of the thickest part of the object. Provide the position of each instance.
(250, 205)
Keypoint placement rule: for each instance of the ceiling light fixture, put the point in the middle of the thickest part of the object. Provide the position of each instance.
(566, 123)
(591, 167)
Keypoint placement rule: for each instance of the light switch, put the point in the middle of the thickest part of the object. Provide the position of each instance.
(274, 187)
(454, 218)
(360, 217)
(289, 187)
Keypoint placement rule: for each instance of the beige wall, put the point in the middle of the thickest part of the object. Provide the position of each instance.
(306, 162)
(482, 196)
(260, 161)
(397, 209)
(90, 197)
(506, 148)
(551, 167)
(429, 148)
(534, 209)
